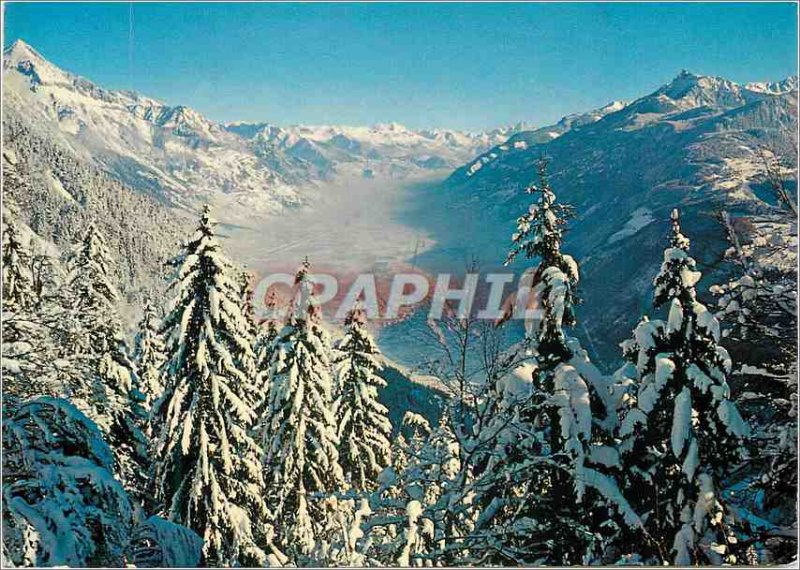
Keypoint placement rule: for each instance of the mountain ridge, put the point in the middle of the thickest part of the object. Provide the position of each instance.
(696, 143)
(182, 158)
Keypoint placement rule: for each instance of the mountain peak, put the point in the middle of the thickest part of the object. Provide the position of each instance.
(17, 44)
(689, 90)
(29, 62)
(685, 79)
(392, 127)
(20, 50)
(774, 87)
(612, 107)
(686, 74)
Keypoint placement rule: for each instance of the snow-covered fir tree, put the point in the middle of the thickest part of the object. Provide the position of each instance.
(300, 442)
(111, 398)
(94, 329)
(208, 468)
(17, 279)
(62, 505)
(30, 367)
(548, 492)
(682, 432)
(247, 360)
(364, 429)
(148, 354)
(538, 236)
(263, 346)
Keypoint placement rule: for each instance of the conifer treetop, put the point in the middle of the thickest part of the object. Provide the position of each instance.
(356, 316)
(91, 265)
(677, 239)
(17, 282)
(304, 304)
(552, 283)
(541, 229)
(677, 277)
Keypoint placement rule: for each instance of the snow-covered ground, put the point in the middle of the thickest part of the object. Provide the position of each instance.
(639, 219)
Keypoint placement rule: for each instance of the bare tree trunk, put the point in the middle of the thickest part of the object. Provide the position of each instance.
(725, 218)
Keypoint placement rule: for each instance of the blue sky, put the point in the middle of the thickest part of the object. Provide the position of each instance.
(469, 66)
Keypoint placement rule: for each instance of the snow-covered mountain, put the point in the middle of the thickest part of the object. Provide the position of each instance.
(172, 152)
(776, 87)
(536, 135)
(183, 158)
(695, 143)
(385, 149)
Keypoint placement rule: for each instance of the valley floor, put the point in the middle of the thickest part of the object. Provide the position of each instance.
(351, 225)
